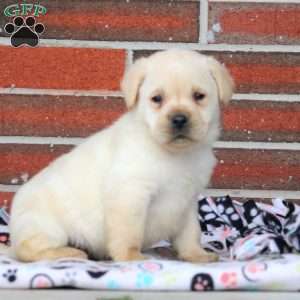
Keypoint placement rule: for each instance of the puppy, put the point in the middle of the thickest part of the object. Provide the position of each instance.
(134, 183)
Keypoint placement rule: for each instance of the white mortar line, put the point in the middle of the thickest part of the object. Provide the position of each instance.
(107, 94)
(40, 140)
(75, 141)
(9, 188)
(268, 97)
(257, 146)
(129, 58)
(259, 1)
(59, 92)
(5, 41)
(164, 45)
(160, 45)
(253, 193)
(203, 21)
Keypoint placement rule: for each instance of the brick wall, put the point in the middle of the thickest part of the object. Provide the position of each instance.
(56, 94)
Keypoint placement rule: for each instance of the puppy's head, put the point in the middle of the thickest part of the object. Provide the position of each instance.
(177, 94)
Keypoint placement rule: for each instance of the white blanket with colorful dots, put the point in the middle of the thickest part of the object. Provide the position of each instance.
(257, 243)
(278, 273)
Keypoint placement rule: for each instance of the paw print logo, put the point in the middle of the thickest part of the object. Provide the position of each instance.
(202, 282)
(24, 32)
(11, 275)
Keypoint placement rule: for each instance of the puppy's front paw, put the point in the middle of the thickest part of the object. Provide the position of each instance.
(75, 253)
(200, 257)
(65, 252)
(129, 255)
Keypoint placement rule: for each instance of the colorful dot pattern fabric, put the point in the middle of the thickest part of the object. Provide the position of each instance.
(254, 240)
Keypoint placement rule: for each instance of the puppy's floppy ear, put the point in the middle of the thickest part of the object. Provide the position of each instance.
(223, 80)
(132, 81)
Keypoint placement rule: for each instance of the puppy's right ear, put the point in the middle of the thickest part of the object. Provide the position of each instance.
(132, 81)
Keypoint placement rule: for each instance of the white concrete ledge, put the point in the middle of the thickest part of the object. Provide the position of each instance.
(267, 194)
(124, 295)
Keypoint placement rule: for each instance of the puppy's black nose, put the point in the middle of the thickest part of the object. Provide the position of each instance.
(179, 121)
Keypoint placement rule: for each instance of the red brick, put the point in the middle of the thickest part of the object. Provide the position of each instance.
(121, 20)
(258, 72)
(70, 116)
(19, 162)
(238, 169)
(35, 115)
(61, 68)
(262, 121)
(256, 23)
(6, 199)
(257, 169)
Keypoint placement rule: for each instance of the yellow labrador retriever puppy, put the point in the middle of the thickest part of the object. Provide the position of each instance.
(134, 183)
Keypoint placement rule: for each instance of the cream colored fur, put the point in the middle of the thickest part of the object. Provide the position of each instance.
(132, 184)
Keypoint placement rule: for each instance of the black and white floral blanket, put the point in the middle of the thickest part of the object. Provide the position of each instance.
(257, 242)
(246, 230)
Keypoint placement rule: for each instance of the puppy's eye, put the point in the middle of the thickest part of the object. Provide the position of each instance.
(198, 96)
(157, 99)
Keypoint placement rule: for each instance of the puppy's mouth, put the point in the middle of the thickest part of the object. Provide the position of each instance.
(181, 138)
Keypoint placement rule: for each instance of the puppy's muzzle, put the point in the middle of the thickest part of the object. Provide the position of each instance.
(179, 121)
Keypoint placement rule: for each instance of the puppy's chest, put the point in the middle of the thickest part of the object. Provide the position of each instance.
(175, 190)
(167, 209)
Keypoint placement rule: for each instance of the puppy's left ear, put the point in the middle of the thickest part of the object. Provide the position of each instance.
(132, 81)
(223, 80)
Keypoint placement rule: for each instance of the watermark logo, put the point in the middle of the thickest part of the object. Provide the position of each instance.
(24, 29)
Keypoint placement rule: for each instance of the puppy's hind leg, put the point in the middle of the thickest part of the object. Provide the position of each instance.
(41, 246)
(30, 250)
(125, 221)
